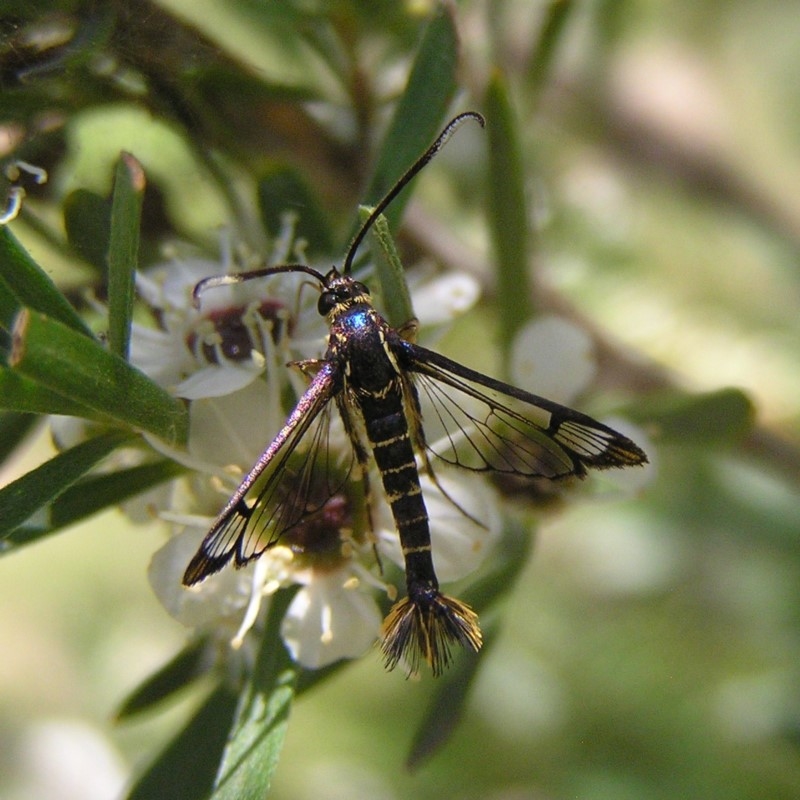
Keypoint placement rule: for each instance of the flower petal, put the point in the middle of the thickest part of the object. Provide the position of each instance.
(234, 429)
(218, 597)
(329, 620)
(553, 358)
(445, 298)
(160, 355)
(461, 544)
(216, 380)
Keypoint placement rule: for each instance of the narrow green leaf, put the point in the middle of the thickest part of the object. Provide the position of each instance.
(20, 394)
(20, 499)
(80, 369)
(90, 496)
(309, 678)
(14, 427)
(186, 768)
(507, 212)
(182, 670)
(507, 562)
(395, 296)
(99, 492)
(123, 250)
(281, 189)
(87, 221)
(719, 417)
(22, 279)
(420, 111)
(446, 704)
(256, 739)
(556, 18)
(9, 306)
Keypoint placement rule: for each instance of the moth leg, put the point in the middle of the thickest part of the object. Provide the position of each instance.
(368, 500)
(408, 331)
(363, 460)
(308, 366)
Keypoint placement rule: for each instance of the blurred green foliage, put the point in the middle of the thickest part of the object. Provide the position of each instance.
(639, 176)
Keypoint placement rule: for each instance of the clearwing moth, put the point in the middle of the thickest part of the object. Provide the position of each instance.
(374, 375)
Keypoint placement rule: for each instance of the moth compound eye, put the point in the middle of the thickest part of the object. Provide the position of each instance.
(327, 301)
(360, 288)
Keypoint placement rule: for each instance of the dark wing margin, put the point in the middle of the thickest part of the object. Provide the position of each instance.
(482, 424)
(293, 478)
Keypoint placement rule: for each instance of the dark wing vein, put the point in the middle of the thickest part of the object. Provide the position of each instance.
(482, 424)
(293, 478)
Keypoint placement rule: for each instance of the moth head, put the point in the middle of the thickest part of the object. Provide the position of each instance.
(340, 292)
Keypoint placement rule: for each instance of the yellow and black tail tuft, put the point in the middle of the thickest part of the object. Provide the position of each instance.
(425, 627)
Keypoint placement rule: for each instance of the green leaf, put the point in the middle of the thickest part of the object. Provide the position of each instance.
(445, 707)
(14, 427)
(556, 19)
(395, 296)
(123, 250)
(509, 558)
(24, 283)
(309, 678)
(188, 665)
(20, 394)
(186, 769)
(446, 704)
(91, 495)
(80, 369)
(507, 212)
(20, 499)
(420, 111)
(281, 189)
(720, 417)
(87, 221)
(9, 307)
(251, 754)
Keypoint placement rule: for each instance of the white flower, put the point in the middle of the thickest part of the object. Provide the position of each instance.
(228, 341)
(553, 358)
(220, 597)
(233, 429)
(443, 298)
(329, 619)
(333, 616)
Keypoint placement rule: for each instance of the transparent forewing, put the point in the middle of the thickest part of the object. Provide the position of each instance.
(478, 423)
(294, 478)
(299, 486)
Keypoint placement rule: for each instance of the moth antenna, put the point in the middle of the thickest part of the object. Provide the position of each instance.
(240, 277)
(403, 181)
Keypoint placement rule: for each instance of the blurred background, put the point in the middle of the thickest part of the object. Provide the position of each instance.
(650, 647)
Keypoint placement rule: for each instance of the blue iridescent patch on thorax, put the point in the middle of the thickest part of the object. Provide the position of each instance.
(359, 319)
